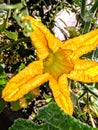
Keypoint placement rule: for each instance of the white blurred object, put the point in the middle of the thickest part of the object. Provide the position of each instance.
(64, 19)
(88, 2)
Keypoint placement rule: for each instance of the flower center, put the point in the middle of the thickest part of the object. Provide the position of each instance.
(58, 63)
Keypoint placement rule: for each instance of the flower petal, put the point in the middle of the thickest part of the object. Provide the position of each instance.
(39, 42)
(14, 91)
(61, 93)
(82, 44)
(52, 42)
(38, 38)
(33, 69)
(84, 71)
(23, 77)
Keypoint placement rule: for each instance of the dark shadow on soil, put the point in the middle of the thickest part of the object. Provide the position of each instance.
(8, 116)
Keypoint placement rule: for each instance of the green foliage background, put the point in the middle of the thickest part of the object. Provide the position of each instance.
(16, 52)
(52, 118)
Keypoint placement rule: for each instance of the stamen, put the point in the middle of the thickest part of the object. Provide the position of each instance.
(57, 63)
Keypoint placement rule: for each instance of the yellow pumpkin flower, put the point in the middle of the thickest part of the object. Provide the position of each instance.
(56, 62)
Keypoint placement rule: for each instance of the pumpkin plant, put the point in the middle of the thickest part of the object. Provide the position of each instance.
(56, 61)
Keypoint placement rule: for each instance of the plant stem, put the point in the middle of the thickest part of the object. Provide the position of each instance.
(87, 24)
(82, 95)
(94, 7)
(91, 119)
(86, 28)
(89, 90)
(83, 5)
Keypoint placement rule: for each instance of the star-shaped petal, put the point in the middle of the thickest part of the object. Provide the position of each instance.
(56, 62)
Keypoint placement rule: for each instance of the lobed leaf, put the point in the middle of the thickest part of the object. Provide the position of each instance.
(53, 118)
(11, 35)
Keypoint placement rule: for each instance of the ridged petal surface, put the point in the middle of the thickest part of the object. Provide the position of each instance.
(52, 42)
(84, 71)
(26, 80)
(82, 44)
(61, 93)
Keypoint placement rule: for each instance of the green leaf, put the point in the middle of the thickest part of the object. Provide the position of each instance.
(14, 6)
(53, 118)
(11, 35)
(93, 55)
(2, 104)
(15, 106)
(23, 124)
(3, 81)
(3, 76)
(1, 27)
(47, 97)
(88, 15)
(83, 5)
(21, 67)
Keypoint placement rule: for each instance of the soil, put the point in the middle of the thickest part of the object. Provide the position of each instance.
(8, 116)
